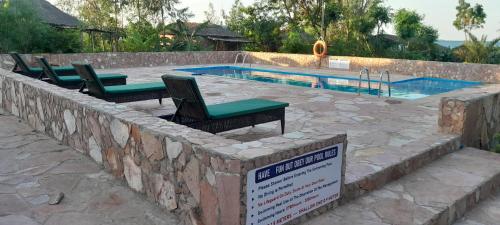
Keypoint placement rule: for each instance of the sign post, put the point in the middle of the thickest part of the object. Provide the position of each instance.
(288, 189)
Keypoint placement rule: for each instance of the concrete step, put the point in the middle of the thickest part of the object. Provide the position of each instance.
(437, 194)
(372, 168)
(486, 213)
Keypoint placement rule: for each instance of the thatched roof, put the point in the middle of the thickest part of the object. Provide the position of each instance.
(51, 14)
(216, 33)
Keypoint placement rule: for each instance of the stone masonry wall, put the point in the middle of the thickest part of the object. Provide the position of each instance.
(199, 176)
(476, 116)
(127, 60)
(458, 71)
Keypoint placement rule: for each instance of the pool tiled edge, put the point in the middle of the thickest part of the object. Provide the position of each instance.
(181, 169)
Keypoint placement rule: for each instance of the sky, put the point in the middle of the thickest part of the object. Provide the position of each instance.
(438, 13)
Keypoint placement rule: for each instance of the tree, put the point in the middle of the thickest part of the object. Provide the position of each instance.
(382, 15)
(211, 15)
(22, 30)
(419, 38)
(407, 23)
(260, 22)
(141, 36)
(469, 18)
(477, 50)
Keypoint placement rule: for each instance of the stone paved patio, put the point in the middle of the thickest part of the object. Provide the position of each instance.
(379, 132)
(33, 167)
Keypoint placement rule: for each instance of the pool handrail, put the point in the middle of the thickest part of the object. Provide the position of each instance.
(361, 73)
(385, 72)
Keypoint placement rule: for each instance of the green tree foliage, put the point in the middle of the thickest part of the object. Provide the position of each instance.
(259, 22)
(141, 36)
(22, 30)
(297, 41)
(479, 50)
(468, 17)
(419, 38)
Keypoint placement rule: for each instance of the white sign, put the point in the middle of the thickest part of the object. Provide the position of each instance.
(339, 64)
(288, 189)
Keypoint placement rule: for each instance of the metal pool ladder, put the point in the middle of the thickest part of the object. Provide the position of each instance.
(242, 54)
(385, 72)
(361, 73)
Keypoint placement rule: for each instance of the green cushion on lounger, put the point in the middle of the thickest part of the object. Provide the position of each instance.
(130, 88)
(100, 76)
(56, 68)
(243, 107)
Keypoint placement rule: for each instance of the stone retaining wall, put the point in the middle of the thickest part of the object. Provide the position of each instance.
(458, 71)
(197, 175)
(127, 60)
(475, 116)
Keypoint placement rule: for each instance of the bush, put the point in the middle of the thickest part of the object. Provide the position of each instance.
(497, 143)
(23, 31)
(295, 43)
(141, 37)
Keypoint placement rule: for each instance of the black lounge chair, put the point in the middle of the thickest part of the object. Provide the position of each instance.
(74, 81)
(22, 67)
(192, 111)
(120, 93)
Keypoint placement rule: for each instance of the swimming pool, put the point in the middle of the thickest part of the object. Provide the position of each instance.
(405, 89)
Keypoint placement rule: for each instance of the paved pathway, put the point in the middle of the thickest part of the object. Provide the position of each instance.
(33, 167)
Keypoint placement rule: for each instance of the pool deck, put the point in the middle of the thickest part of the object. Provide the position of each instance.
(381, 132)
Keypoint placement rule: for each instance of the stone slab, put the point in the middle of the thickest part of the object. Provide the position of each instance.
(35, 167)
(486, 213)
(439, 193)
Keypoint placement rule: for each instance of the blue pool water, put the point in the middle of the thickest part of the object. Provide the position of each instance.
(406, 89)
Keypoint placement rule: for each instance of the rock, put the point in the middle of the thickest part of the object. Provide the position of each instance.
(56, 198)
(209, 204)
(152, 147)
(191, 176)
(174, 149)
(114, 162)
(294, 135)
(165, 192)
(133, 174)
(95, 150)
(70, 121)
(120, 132)
(210, 176)
(41, 113)
(228, 192)
(58, 134)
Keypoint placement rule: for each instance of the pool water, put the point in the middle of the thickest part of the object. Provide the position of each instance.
(405, 89)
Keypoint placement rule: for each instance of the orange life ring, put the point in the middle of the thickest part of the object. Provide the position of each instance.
(320, 45)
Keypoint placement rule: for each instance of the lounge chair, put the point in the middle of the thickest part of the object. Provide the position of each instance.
(36, 72)
(120, 93)
(192, 111)
(74, 81)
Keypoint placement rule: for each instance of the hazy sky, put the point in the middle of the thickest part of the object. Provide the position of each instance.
(438, 13)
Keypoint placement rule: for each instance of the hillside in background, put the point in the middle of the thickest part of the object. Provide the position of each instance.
(452, 44)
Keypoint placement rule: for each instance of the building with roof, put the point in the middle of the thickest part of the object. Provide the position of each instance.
(48, 13)
(214, 36)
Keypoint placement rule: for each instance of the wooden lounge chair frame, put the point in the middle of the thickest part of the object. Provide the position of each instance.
(192, 111)
(23, 68)
(96, 88)
(53, 77)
